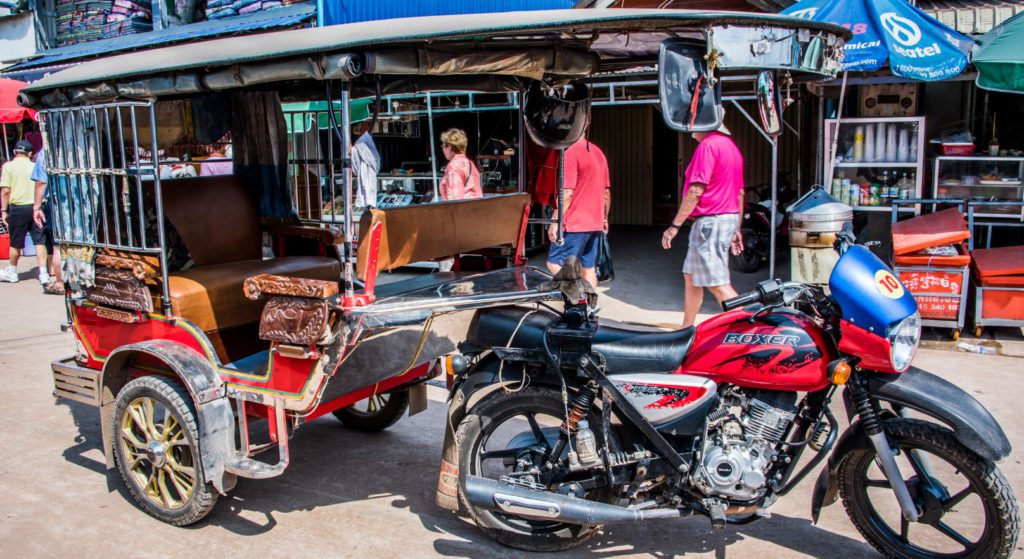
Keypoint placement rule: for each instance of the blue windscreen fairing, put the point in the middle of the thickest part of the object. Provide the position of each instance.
(868, 293)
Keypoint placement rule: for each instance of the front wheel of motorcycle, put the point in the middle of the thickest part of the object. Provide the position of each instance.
(507, 434)
(966, 506)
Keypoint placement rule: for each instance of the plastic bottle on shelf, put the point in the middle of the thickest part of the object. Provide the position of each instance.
(858, 144)
(913, 147)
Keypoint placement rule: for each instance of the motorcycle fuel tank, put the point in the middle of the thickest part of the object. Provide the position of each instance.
(665, 398)
(777, 351)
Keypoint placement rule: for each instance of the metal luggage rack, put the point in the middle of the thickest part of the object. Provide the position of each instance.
(95, 168)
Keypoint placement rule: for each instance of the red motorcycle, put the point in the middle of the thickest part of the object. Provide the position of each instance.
(565, 423)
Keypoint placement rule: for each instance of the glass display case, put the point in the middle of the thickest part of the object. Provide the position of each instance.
(981, 178)
(878, 160)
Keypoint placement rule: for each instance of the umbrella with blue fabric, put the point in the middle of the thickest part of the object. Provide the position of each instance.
(915, 44)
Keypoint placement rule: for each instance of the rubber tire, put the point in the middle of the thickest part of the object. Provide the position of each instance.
(550, 401)
(398, 403)
(748, 261)
(941, 442)
(174, 396)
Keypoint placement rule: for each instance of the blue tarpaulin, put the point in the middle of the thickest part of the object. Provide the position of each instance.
(289, 16)
(350, 11)
(915, 44)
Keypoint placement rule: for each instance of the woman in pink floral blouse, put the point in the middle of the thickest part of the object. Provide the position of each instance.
(461, 177)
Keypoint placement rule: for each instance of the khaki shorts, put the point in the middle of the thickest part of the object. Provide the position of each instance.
(707, 258)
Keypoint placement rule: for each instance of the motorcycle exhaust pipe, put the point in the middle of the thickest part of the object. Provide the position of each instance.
(510, 499)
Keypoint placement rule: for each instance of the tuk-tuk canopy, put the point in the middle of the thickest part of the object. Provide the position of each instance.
(505, 45)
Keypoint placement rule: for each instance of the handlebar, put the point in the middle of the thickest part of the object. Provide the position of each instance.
(761, 294)
(742, 300)
(768, 292)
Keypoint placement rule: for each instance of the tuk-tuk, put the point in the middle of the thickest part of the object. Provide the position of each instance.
(200, 305)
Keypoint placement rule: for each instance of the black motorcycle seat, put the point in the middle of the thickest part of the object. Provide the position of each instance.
(627, 348)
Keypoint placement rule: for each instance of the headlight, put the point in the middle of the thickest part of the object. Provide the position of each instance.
(903, 337)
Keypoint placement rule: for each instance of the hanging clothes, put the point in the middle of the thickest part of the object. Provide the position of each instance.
(260, 145)
(366, 165)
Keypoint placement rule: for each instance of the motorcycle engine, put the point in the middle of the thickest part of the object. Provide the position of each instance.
(740, 446)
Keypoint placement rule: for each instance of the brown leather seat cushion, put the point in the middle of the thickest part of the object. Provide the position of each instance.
(211, 296)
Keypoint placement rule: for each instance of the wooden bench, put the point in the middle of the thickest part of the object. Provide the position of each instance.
(396, 237)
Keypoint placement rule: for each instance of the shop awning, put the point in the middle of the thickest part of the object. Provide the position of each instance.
(999, 57)
(299, 116)
(280, 18)
(10, 111)
(915, 44)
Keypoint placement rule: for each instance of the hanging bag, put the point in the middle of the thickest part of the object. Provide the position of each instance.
(605, 270)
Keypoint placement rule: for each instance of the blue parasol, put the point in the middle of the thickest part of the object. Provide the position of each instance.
(916, 45)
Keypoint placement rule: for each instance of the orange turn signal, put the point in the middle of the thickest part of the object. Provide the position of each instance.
(840, 372)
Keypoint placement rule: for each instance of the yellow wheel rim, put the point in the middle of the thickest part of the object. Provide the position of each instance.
(156, 453)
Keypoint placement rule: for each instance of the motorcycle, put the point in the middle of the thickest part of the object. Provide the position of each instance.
(757, 224)
(565, 423)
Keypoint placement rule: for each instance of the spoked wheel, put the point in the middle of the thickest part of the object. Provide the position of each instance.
(511, 434)
(967, 509)
(749, 260)
(376, 413)
(156, 449)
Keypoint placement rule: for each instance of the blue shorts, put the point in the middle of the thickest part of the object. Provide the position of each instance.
(581, 245)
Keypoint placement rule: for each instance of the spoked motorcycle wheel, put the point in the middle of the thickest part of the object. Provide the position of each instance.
(376, 413)
(504, 435)
(155, 443)
(967, 507)
(749, 260)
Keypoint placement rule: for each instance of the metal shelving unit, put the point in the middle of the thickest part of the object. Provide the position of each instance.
(914, 125)
(982, 178)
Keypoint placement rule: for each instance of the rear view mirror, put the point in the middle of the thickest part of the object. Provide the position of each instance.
(689, 101)
(769, 104)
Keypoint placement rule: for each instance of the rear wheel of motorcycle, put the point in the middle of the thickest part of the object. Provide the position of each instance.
(749, 260)
(968, 509)
(538, 409)
(376, 413)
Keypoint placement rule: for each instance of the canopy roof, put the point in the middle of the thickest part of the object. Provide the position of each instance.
(612, 35)
(999, 58)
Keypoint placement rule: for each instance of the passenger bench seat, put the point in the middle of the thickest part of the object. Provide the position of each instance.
(218, 219)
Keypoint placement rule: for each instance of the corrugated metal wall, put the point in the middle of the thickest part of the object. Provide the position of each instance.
(625, 135)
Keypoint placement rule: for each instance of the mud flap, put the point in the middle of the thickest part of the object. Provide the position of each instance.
(826, 489)
(480, 382)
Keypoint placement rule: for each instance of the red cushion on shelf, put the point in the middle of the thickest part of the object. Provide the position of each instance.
(930, 230)
(1002, 261)
(1002, 281)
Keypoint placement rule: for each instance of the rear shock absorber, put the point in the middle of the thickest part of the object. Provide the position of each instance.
(577, 412)
(580, 408)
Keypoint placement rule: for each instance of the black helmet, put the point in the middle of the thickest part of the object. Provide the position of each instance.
(557, 122)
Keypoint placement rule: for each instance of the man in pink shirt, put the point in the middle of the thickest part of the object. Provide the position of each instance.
(713, 195)
(587, 185)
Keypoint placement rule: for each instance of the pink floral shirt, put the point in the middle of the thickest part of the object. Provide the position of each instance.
(461, 179)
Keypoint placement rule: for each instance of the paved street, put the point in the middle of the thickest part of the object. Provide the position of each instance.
(348, 494)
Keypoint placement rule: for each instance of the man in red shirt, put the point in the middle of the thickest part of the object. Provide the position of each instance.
(587, 185)
(713, 195)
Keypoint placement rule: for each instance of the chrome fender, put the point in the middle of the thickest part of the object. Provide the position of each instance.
(199, 376)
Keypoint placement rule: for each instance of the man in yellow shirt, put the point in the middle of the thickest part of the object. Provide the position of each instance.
(17, 196)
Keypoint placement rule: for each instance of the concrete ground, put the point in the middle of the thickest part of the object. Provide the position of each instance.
(348, 494)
